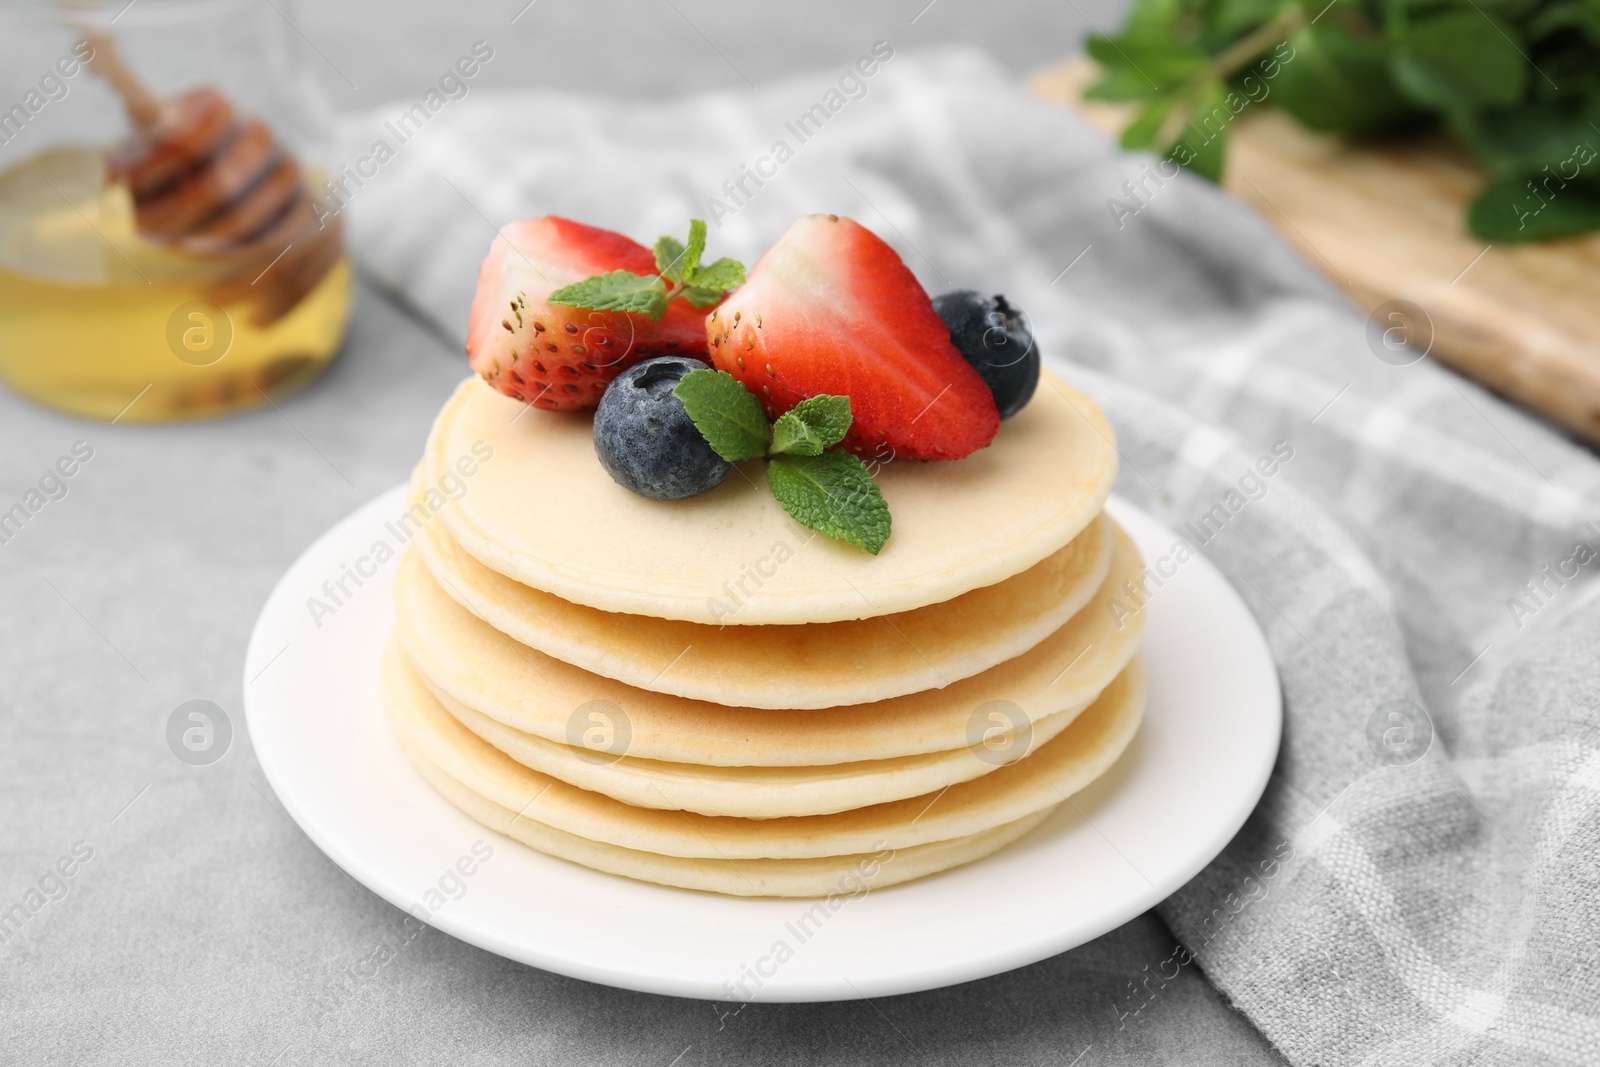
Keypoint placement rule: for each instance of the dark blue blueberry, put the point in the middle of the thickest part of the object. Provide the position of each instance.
(645, 439)
(993, 337)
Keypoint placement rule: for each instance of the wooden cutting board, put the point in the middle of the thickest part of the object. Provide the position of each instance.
(1388, 224)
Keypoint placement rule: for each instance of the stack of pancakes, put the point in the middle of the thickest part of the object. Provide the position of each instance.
(702, 693)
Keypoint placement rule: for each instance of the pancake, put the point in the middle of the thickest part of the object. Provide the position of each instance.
(753, 792)
(543, 512)
(836, 877)
(481, 668)
(789, 667)
(1052, 773)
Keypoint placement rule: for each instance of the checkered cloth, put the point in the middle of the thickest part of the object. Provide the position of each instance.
(1421, 883)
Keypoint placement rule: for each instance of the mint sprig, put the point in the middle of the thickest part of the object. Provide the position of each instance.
(812, 425)
(669, 255)
(727, 414)
(618, 290)
(1485, 74)
(681, 275)
(833, 494)
(830, 492)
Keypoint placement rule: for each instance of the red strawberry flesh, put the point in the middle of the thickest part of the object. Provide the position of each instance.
(557, 357)
(832, 309)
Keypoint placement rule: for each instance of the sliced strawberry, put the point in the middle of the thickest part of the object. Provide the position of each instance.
(557, 357)
(831, 309)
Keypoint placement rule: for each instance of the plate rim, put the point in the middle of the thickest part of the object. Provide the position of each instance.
(970, 966)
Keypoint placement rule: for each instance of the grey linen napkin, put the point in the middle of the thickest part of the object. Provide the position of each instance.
(1421, 883)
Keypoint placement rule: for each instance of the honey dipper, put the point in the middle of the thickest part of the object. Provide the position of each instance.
(217, 185)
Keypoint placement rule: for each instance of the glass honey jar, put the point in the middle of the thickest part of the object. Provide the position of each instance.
(163, 252)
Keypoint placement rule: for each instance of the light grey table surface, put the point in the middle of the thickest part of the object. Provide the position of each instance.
(206, 928)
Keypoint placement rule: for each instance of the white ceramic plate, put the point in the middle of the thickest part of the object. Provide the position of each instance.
(1176, 797)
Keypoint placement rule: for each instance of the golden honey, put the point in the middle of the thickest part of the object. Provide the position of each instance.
(99, 321)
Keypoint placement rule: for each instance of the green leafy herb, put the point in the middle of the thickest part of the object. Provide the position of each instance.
(680, 274)
(834, 494)
(1508, 210)
(811, 426)
(702, 297)
(669, 258)
(727, 414)
(694, 250)
(1458, 59)
(619, 290)
(830, 492)
(1340, 82)
(1516, 82)
(710, 282)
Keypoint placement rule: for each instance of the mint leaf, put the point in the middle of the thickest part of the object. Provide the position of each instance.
(1156, 20)
(702, 298)
(1340, 82)
(833, 494)
(722, 275)
(1508, 210)
(727, 414)
(649, 295)
(1520, 142)
(1459, 59)
(811, 426)
(1137, 69)
(1146, 126)
(706, 285)
(1121, 84)
(830, 492)
(1199, 146)
(1230, 19)
(669, 258)
(697, 247)
(791, 436)
(619, 290)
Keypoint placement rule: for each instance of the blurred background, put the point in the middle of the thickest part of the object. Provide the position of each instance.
(631, 49)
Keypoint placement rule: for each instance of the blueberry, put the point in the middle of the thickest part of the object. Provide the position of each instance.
(992, 336)
(645, 439)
